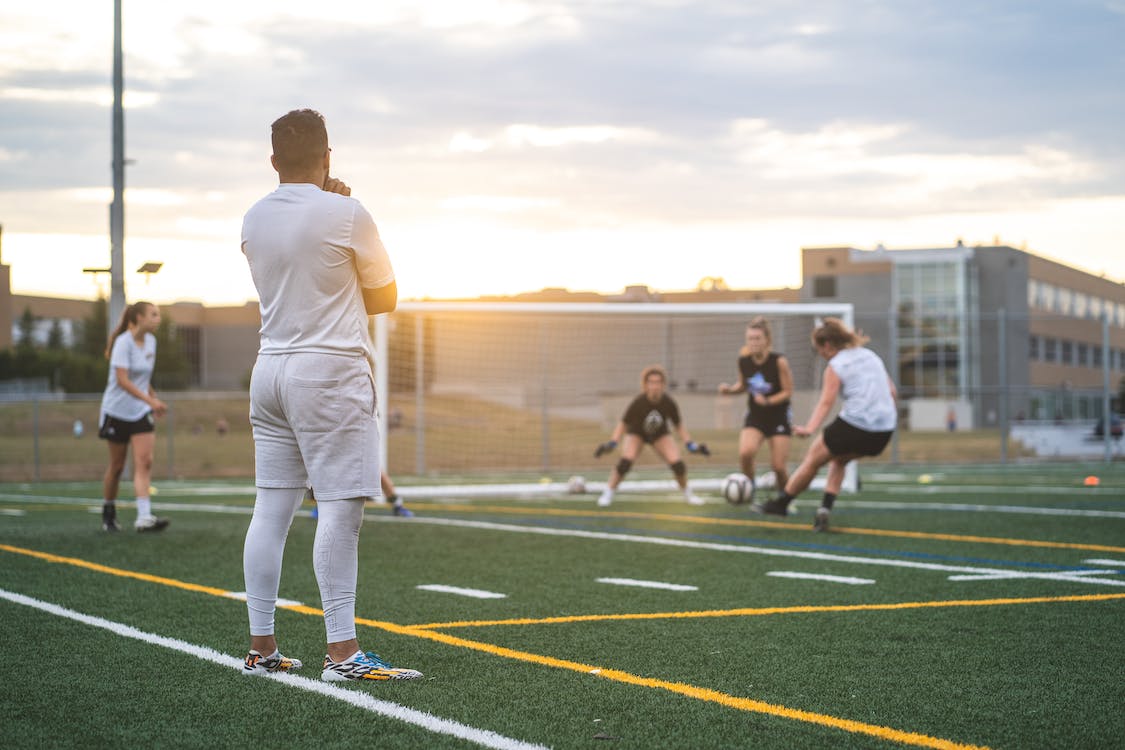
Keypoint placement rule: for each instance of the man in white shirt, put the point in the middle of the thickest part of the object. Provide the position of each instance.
(320, 269)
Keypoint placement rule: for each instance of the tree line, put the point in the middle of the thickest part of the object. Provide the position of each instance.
(81, 366)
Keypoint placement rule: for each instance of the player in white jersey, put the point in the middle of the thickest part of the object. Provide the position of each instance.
(320, 269)
(128, 411)
(865, 423)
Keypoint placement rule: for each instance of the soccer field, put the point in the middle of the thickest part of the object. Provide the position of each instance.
(982, 608)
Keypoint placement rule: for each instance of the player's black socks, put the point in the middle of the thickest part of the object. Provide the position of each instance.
(828, 500)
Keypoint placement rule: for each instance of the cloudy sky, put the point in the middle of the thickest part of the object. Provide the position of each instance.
(508, 145)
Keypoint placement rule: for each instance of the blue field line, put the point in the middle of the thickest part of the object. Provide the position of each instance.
(810, 546)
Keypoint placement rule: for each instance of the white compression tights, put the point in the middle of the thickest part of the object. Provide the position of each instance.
(335, 559)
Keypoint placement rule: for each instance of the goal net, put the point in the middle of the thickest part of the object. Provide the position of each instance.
(488, 396)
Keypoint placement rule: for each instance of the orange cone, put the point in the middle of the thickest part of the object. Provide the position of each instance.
(1091, 481)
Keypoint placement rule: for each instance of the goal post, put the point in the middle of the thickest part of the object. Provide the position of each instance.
(521, 392)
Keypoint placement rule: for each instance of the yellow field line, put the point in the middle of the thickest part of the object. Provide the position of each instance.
(98, 568)
(614, 675)
(964, 538)
(761, 611)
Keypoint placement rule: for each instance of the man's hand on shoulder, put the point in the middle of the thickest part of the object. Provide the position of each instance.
(333, 185)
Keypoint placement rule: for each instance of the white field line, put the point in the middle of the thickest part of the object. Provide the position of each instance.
(648, 584)
(437, 494)
(356, 698)
(820, 577)
(721, 547)
(474, 593)
(12, 512)
(974, 508)
(1075, 575)
(1111, 563)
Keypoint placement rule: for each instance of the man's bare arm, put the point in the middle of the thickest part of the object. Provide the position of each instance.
(381, 300)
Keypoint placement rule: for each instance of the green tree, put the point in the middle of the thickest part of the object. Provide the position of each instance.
(55, 336)
(91, 339)
(173, 370)
(25, 329)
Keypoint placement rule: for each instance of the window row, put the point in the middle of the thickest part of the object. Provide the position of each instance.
(1058, 299)
(1074, 353)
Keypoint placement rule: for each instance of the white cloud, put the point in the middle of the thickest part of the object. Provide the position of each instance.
(497, 203)
(520, 135)
(99, 95)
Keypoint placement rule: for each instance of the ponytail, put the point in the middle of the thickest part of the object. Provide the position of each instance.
(833, 331)
(128, 317)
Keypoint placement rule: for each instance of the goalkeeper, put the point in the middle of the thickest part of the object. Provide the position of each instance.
(650, 419)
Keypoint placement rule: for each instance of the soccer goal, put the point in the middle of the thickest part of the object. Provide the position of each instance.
(480, 394)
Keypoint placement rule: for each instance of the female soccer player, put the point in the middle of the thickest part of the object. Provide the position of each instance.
(650, 419)
(128, 411)
(865, 423)
(766, 377)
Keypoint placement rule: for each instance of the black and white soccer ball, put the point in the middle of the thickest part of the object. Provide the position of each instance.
(738, 488)
(576, 485)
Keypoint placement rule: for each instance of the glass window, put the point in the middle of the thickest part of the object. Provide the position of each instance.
(1067, 354)
(1083, 355)
(1081, 304)
(1033, 293)
(1095, 310)
(1047, 296)
(824, 286)
(1050, 350)
(1066, 301)
(1033, 348)
(1097, 352)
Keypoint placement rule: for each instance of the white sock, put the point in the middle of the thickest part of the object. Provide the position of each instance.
(336, 563)
(261, 555)
(687, 491)
(144, 507)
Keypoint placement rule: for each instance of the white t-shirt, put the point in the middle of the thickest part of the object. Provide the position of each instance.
(311, 253)
(138, 362)
(866, 390)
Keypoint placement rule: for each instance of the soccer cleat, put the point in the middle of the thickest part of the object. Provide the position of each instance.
(257, 664)
(605, 499)
(402, 511)
(364, 666)
(109, 518)
(771, 507)
(695, 500)
(152, 523)
(821, 521)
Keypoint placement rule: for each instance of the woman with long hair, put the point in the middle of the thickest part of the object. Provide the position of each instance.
(650, 419)
(765, 375)
(128, 413)
(864, 426)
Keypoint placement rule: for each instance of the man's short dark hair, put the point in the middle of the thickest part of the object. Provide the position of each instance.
(300, 139)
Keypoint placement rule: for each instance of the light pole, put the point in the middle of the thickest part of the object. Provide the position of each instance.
(117, 208)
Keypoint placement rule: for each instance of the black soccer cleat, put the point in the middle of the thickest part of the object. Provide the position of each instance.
(109, 518)
(771, 508)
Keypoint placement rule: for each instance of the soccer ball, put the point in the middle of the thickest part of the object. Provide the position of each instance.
(738, 488)
(576, 485)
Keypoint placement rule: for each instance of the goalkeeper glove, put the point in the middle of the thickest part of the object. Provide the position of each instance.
(694, 447)
(605, 448)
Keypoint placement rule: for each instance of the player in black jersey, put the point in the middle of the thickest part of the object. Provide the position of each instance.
(766, 377)
(651, 418)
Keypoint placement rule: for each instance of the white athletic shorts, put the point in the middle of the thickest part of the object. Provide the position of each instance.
(314, 423)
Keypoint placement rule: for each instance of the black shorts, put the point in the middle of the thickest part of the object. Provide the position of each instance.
(648, 439)
(843, 439)
(768, 426)
(121, 431)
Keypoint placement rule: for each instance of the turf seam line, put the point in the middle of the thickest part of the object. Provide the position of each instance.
(362, 700)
